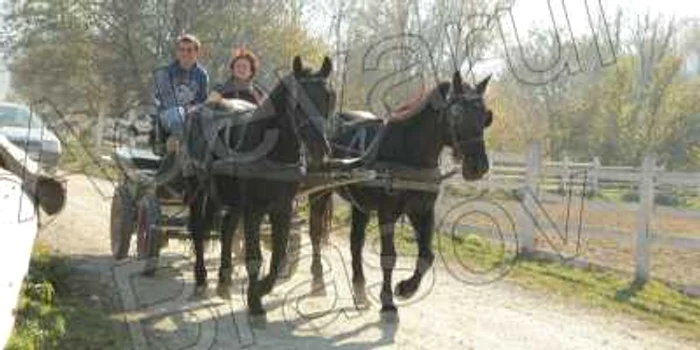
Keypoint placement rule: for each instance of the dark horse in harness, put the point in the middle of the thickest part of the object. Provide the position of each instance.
(264, 186)
(451, 115)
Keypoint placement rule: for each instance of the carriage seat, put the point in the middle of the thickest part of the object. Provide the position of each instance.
(232, 105)
(159, 134)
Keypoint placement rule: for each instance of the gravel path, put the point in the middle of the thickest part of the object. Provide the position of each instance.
(445, 314)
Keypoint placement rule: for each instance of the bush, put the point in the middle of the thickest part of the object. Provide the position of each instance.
(666, 199)
(630, 196)
(39, 324)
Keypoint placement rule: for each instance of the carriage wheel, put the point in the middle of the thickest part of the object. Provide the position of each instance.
(148, 233)
(122, 222)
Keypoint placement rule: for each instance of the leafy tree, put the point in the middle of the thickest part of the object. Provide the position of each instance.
(98, 56)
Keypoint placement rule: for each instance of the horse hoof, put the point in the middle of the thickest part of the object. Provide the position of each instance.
(200, 291)
(284, 277)
(389, 314)
(405, 289)
(361, 302)
(318, 289)
(257, 318)
(150, 269)
(224, 291)
(360, 296)
(318, 292)
(287, 271)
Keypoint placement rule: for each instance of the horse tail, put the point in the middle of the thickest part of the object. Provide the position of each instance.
(321, 216)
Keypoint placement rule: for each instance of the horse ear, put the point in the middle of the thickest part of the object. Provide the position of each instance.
(457, 84)
(326, 68)
(481, 87)
(296, 65)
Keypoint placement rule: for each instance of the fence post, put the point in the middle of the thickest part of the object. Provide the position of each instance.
(595, 175)
(533, 163)
(646, 209)
(565, 174)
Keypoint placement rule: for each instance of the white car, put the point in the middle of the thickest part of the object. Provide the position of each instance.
(18, 216)
(27, 131)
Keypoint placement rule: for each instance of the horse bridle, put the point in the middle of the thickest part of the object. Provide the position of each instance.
(453, 123)
(295, 98)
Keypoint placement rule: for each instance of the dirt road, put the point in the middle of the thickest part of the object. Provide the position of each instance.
(445, 314)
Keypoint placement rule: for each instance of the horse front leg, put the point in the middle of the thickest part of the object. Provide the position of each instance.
(358, 231)
(387, 222)
(253, 256)
(320, 215)
(199, 223)
(197, 228)
(238, 247)
(423, 224)
(280, 221)
(228, 231)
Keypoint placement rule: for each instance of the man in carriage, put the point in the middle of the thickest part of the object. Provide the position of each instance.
(180, 86)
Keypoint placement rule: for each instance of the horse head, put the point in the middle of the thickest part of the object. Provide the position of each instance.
(309, 101)
(466, 119)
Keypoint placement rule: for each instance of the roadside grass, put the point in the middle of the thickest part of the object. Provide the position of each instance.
(39, 323)
(654, 303)
(694, 202)
(52, 312)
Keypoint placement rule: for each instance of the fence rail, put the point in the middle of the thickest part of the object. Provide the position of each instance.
(508, 170)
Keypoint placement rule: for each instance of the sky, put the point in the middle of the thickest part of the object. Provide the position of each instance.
(529, 13)
(574, 14)
(535, 12)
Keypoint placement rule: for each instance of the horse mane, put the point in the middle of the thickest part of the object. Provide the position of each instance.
(268, 105)
(418, 102)
(273, 99)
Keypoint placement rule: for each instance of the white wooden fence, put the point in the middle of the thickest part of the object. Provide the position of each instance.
(530, 171)
(509, 171)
